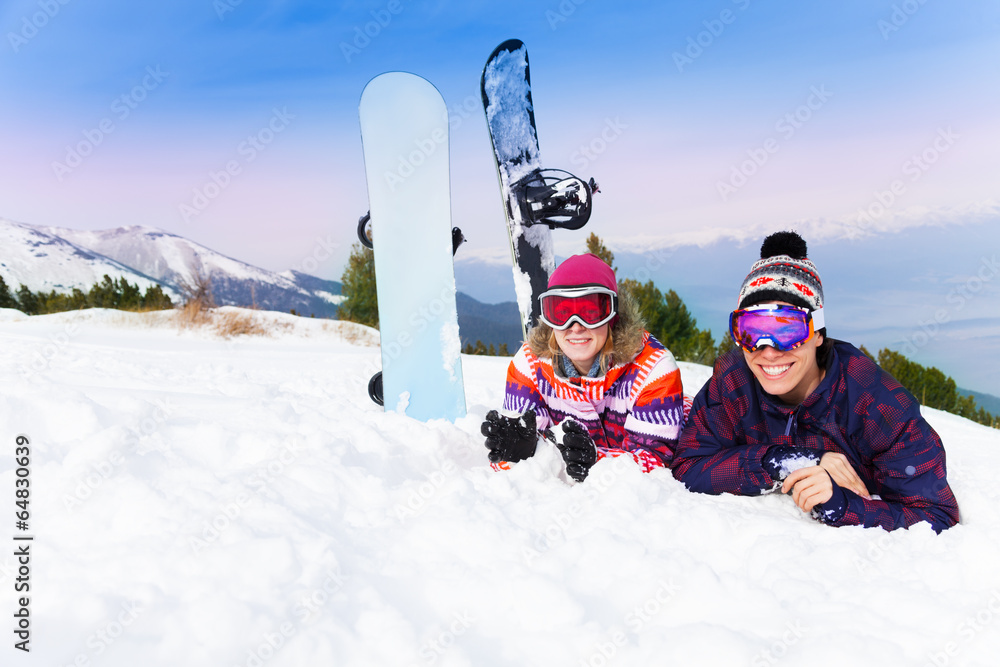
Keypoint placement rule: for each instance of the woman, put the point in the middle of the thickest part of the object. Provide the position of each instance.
(590, 370)
(795, 410)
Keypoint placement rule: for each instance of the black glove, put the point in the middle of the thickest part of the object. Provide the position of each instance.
(577, 449)
(510, 438)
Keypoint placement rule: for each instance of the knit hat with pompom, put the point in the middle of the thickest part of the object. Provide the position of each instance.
(783, 273)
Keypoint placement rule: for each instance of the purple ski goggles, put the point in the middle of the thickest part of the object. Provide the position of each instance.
(782, 327)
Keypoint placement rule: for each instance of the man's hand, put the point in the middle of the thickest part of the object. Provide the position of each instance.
(809, 487)
(840, 469)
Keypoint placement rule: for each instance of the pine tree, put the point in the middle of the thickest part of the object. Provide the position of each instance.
(104, 294)
(7, 299)
(725, 345)
(155, 299)
(596, 245)
(27, 301)
(129, 296)
(360, 302)
(932, 388)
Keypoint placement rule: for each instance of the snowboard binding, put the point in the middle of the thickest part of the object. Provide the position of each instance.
(365, 231)
(375, 389)
(555, 198)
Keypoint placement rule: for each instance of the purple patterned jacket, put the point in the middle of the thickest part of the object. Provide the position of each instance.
(858, 410)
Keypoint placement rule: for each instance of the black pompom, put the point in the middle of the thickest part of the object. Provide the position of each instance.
(783, 243)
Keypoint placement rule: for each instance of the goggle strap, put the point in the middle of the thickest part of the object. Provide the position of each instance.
(573, 292)
(818, 320)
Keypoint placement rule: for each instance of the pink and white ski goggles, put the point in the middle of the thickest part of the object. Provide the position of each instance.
(592, 306)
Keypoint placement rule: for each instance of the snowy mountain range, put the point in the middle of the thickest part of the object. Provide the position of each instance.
(55, 258)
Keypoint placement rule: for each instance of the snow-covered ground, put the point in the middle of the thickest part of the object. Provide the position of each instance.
(241, 502)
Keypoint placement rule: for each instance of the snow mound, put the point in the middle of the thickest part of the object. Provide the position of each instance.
(201, 500)
(11, 315)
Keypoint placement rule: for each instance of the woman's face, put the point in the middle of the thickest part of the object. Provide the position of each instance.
(582, 345)
(792, 375)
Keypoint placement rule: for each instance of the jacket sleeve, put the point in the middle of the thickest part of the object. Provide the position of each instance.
(521, 390)
(909, 471)
(521, 394)
(653, 424)
(714, 455)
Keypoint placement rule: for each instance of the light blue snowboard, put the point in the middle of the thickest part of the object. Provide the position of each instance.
(404, 132)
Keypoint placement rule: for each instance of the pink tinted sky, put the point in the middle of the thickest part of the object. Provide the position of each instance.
(871, 88)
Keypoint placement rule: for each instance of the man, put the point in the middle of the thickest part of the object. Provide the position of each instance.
(795, 411)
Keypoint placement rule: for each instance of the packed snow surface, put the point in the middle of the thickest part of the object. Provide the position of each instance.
(241, 502)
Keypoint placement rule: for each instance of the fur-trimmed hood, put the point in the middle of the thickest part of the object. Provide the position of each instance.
(626, 335)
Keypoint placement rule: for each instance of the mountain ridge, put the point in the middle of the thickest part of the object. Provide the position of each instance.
(47, 258)
(150, 256)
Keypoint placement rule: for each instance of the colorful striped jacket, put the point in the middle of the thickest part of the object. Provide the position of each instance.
(636, 407)
(858, 410)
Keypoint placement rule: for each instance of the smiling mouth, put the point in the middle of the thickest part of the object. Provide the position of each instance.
(774, 371)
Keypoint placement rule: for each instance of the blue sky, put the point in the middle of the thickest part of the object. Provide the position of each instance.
(224, 68)
(722, 119)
